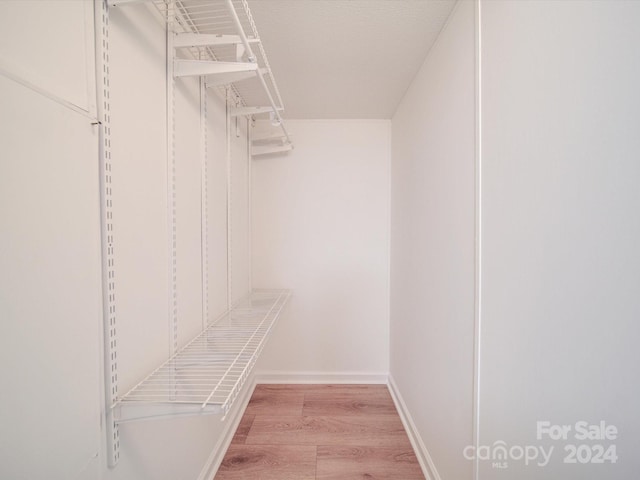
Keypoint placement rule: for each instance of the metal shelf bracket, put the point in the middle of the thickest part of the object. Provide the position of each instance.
(183, 40)
(190, 68)
(227, 78)
(267, 137)
(242, 111)
(120, 3)
(144, 411)
(269, 149)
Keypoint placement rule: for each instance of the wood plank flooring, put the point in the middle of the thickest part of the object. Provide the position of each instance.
(313, 432)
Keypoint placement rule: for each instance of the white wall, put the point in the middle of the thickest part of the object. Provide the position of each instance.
(178, 447)
(320, 227)
(50, 252)
(65, 68)
(239, 249)
(216, 206)
(432, 246)
(188, 154)
(50, 296)
(139, 178)
(560, 202)
(50, 272)
(174, 448)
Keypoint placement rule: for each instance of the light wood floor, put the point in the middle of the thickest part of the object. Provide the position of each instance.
(313, 432)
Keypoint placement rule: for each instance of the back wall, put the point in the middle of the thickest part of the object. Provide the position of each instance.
(321, 227)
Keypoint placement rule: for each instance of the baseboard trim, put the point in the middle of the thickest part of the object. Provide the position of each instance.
(424, 458)
(321, 377)
(210, 468)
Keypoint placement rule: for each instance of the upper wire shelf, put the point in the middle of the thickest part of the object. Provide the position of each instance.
(228, 19)
(206, 375)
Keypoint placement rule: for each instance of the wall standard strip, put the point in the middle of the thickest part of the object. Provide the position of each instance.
(107, 233)
(249, 215)
(229, 197)
(171, 184)
(204, 202)
(478, 235)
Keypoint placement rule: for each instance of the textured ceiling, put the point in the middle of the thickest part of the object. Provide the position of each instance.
(346, 58)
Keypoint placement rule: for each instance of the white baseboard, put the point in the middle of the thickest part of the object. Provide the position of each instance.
(425, 460)
(321, 377)
(210, 468)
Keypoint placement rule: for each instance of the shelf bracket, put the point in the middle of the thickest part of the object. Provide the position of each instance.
(268, 149)
(144, 411)
(182, 40)
(120, 3)
(241, 111)
(268, 137)
(190, 68)
(227, 78)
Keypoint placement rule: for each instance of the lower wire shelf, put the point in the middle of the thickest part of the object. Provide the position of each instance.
(206, 375)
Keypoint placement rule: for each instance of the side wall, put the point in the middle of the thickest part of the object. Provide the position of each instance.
(560, 203)
(50, 271)
(320, 227)
(50, 252)
(176, 447)
(432, 246)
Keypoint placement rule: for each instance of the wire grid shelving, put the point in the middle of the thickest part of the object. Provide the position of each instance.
(206, 375)
(216, 17)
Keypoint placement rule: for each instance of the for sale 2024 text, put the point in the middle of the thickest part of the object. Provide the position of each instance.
(582, 431)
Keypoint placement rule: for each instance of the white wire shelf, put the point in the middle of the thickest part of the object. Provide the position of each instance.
(206, 375)
(227, 19)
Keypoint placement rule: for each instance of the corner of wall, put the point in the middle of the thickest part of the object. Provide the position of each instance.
(424, 458)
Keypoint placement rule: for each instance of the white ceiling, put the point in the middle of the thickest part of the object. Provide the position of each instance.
(346, 58)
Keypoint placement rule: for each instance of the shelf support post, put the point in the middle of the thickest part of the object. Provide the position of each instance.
(110, 342)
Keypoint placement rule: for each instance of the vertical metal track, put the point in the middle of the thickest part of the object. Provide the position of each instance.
(477, 338)
(171, 184)
(107, 233)
(249, 214)
(229, 205)
(204, 225)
